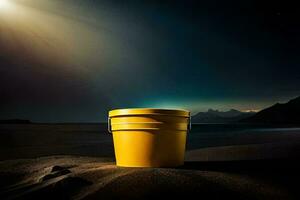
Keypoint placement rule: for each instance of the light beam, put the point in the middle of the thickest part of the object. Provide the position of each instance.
(4, 4)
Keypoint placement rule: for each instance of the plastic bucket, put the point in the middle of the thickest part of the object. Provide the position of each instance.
(149, 137)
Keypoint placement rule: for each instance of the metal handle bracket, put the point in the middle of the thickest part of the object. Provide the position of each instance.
(109, 125)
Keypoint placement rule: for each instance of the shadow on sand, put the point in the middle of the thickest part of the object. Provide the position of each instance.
(281, 172)
(246, 166)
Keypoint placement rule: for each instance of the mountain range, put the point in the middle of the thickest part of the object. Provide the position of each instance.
(216, 116)
(279, 113)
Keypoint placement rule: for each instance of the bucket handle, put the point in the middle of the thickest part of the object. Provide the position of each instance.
(109, 125)
(110, 131)
(190, 123)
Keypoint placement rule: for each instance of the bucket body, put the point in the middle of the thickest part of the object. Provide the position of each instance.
(149, 137)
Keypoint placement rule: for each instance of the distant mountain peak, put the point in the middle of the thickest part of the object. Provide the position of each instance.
(284, 113)
(297, 99)
(216, 116)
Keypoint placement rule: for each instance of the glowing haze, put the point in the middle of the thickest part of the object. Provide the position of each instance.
(74, 60)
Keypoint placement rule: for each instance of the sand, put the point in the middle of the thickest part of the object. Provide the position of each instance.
(77, 162)
(75, 177)
(267, 151)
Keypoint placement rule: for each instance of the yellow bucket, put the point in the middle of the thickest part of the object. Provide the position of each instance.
(149, 137)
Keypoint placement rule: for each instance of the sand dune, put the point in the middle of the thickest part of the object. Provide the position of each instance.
(65, 177)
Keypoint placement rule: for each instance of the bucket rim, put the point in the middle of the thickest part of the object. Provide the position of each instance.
(149, 111)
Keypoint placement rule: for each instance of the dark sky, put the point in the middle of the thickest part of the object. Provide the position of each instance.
(74, 60)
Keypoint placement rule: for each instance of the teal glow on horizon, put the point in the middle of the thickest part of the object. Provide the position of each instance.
(202, 106)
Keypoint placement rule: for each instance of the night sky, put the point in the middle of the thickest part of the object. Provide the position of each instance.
(73, 60)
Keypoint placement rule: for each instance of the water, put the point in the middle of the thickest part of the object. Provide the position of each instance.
(212, 135)
(34, 140)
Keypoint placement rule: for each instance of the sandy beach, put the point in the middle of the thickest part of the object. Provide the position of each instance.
(77, 162)
(75, 177)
